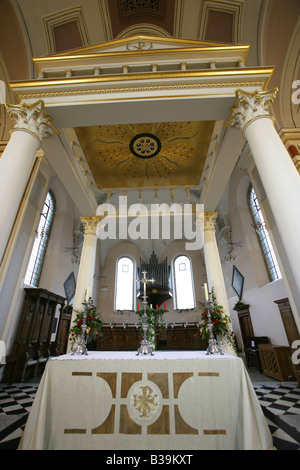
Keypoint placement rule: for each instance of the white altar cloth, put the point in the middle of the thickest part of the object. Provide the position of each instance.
(123, 401)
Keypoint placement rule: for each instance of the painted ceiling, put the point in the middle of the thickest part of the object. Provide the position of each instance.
(144, 155)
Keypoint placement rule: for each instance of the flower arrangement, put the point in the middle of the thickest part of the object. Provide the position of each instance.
(220, 321)
(155, 321)
(93, 324)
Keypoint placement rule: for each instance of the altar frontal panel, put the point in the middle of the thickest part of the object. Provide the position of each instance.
(190, 403)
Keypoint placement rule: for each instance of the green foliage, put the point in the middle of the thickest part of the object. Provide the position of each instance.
(93, 324)
(155, 321)
(68, 309)
(220, 321)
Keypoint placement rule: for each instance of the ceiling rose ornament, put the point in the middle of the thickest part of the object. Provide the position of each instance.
(170, 143)
(145, 145)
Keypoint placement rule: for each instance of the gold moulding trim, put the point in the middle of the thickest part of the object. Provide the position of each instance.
(160, 52)
(267, 116)
(138, 89)
(182, 43)
(215, 73)
(15, 129)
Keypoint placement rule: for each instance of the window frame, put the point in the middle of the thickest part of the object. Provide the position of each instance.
(133, 306)
(175, 290)
(40, 243)
(263, 236)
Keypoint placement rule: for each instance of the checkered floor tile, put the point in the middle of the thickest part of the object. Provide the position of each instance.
(15, 403)
(280, 403)
(17, 398)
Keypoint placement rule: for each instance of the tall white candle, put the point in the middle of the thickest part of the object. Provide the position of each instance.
(206, 292)
(87, 294)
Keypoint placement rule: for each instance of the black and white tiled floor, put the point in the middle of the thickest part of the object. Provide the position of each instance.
(15, 403)
(280, 402)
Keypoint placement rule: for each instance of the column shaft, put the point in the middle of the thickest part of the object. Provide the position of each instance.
(214, 271)
(85, 279)
(15, 166)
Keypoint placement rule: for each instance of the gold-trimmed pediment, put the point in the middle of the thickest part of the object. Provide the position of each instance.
(145, 48)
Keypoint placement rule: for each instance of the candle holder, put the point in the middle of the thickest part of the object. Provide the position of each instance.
(81, 348)
(145, 347)
(213, 347)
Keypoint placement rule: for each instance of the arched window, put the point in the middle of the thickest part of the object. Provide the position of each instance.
(263, 237)
(38, 251)
(183, 283)
(124, 293)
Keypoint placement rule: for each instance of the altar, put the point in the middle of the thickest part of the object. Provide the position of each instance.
(171, 400)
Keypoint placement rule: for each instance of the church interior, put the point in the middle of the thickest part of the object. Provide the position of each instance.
(109, 108)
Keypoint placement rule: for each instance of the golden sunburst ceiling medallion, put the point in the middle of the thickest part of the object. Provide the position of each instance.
(147, 154)
(145, 145)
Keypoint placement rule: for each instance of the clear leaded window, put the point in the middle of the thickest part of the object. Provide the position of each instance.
(263, 237)
(183, 283)
(124, 295)
(42, 235)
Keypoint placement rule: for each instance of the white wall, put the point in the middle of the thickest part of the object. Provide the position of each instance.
(258, 291)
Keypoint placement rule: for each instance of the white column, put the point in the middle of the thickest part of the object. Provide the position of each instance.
(281, 181)
(85, 279)
(214, 271)
(31, 125)
(213, 266)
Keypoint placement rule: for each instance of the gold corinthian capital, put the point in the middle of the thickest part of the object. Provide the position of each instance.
(32, 119)
(207, 220)
(90, 224)
(249, 107)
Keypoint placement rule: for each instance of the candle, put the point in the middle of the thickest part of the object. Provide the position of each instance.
(206, 292)
(87, 293)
